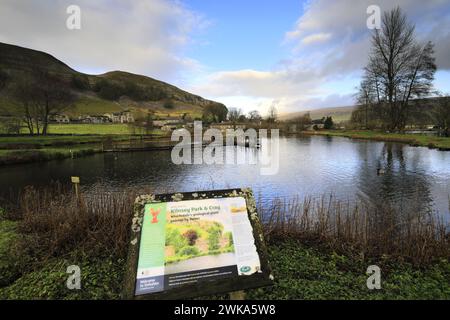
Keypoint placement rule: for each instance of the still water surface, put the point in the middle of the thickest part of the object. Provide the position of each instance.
(308, 166)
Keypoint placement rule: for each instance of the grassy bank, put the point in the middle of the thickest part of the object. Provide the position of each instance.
(45, 154)
(315, 254)
(36, 142)
(97, 129)
(24, 149)
(442, 143)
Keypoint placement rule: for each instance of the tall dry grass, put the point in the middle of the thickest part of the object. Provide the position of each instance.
(54, 222)
(371, 230)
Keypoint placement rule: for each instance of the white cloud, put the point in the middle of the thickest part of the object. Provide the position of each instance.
(141, 36)
(346, 21)
(328, 46)
(316, 38)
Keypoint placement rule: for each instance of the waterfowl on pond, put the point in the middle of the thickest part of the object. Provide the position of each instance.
(380, 171)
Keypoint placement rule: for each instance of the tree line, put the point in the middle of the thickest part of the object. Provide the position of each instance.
(216, 113)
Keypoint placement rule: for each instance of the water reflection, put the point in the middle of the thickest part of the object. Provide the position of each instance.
(414, 178)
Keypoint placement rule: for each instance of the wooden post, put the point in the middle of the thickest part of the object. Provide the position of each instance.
(76, 182)
(237, 295)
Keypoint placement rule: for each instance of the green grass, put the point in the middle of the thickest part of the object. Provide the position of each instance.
(303, 272)
(87, 139)
(94, 106)
(412, 139)
(8, 237)
(45, 154)
(6, 142)
(100, 279)
(90, 129)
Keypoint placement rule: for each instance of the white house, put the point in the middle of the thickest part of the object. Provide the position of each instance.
(61, 118)
(120, 117)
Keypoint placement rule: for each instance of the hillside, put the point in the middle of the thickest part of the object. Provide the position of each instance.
(339, 114)
(420, 112)
(98, 94)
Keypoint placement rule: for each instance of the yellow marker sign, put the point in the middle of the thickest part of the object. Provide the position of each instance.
(75, 179)
(76, 182)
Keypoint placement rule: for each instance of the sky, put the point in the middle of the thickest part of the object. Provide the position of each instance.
(248, 54)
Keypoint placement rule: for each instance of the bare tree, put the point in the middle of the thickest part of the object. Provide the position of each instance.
(254, 116)
(3, 79)
(22, 98)
(441, 115)
(51, 96)
(272, 114)
(303, 121)
(365, 97)
(399, 68)
(234, 114)
(215, 112)
(39, 96)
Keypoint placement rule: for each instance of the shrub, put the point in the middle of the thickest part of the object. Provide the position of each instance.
(108, 90)
(168, 104)
(189, 251)
(80, 82)
(214, 234)
(191, 236)
(328, 124)
(229, 235)
(174, 238)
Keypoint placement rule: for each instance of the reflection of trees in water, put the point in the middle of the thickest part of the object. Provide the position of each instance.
(154, 169)
(402, 185)
(115, 171)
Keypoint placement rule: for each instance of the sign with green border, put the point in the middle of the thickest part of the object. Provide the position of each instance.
(185, 245)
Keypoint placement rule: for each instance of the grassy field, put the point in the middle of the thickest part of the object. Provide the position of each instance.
(66, 140)
(94, 106)
(23, 149)
(89, 128)
(17, 142)
(301, 272)
(412, 139)
(95, 129)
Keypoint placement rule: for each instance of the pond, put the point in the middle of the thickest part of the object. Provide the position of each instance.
(308, 166)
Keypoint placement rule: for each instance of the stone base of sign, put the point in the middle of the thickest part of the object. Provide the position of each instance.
(233, 285)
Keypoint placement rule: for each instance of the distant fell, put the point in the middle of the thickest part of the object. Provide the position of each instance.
(110, 92)
(338, 114)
